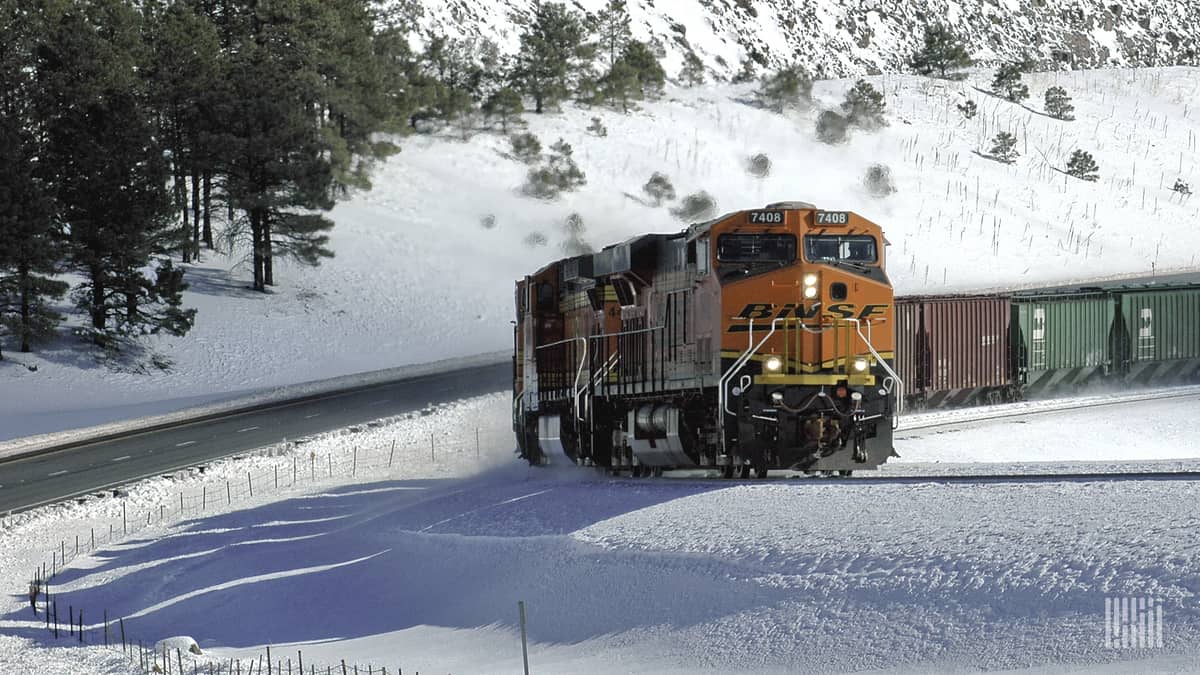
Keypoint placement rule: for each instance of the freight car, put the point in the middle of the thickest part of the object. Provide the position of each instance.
(992, 348)
(762, 339)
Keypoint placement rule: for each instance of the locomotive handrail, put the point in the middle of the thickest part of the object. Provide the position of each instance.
(896, 378)
(751, 350)
(578, 373)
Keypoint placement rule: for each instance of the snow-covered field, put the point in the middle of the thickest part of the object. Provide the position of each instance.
(419, 277)
(422, 567)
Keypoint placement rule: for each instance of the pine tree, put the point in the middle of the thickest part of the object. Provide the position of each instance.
(864, 106)
(692, 74)
(504, 104)
(1007, 82)
(613, 31)
(942, 52)
(1058, 104)
(1083, 166)
(108, 170)
(645, 64)
(300, 126)
(184, 76)
(550, 44)
(620, 85)
(1004, 147)
(30, 243)
(786, 88)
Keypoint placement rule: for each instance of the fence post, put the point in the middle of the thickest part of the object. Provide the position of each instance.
(276, 476)
(80, 631)
(162, 512)
(122, 620)
(268, 658)
(432, 449)
(181, 503)
(524, 643)
(354, 462)
(228, 493)
(71, 620)
(106, 628)
(293, 470)
(312, 465)
(76, 544)
(93, 538)
(56, 619)
(476, 442)
(124, 521)
(62, 548)
(330, 458)
(392, 453)
(179, 659)
(300, 658)
(250, 482)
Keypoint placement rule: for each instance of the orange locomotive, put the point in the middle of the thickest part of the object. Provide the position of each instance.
(760, 340)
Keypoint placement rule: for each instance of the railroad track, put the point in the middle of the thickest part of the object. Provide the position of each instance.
(792, 477)
(919, 421)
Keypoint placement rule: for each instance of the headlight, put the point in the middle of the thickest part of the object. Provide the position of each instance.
(810, 292)
(860, 364)
(773, 364)
(810, 279)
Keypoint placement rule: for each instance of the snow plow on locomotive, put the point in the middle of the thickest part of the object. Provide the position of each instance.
(762, 339)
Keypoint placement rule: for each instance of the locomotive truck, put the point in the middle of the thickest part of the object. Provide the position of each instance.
(762, 339)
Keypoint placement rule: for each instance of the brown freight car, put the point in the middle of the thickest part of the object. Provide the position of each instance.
(954, 350)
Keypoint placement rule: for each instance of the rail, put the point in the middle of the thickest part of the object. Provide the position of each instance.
(899, 383)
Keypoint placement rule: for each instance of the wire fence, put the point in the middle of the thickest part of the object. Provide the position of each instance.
(292, 468)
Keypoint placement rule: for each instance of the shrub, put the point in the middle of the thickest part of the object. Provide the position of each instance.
(759, 166)
(787, 88)
(575, 244)
(1004, 147)
(506, 105)
(968, 109)
(1083, 166)
(831, 127)
(696, 207)
(1058, 104)
(488, 222)
(1181, 187)
(526, 147)
(692, 73)
(1007, 82)
(597, 127)
(659, 189)
(864, 106)
(878, 180)
(559, 174)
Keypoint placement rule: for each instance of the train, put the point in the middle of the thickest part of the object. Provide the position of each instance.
(762, 339)
(999, 347)
(771, 339)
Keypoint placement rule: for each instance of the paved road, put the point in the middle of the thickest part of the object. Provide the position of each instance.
(29, 482)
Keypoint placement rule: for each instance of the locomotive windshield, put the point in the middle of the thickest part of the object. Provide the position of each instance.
(756, 248)
(840, 248)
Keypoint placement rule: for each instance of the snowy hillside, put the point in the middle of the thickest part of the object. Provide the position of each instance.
(426, 261)
(841, 38)
(420, 567)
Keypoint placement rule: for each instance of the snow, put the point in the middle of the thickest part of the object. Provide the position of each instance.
(419, 278)
(421, 565)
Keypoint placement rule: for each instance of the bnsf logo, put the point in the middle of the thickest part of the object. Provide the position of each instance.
(841, 310)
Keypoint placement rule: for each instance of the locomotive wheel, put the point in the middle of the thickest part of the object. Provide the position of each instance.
(657, 472)
(760, 469)
(744, 471)
(727, 471)
(845, 473)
